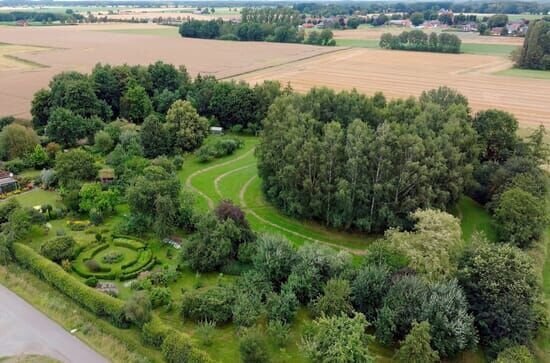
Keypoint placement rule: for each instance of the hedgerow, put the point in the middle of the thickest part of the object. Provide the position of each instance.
(97, 302)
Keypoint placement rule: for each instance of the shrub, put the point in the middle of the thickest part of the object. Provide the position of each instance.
(160, 296)
(113, 257)
(59, 248)
(253, 348)
(154, 332)
(93, 265)
(177, 348)
(515, 354)
(335, 300)
(205, 331)
(91, 281)
(338, 339)
(282, 306)
(97, 302)
(213, 304)
(137, 308)
(279, 332)
(217, 149)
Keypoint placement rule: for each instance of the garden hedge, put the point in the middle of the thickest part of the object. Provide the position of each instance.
(99, 303)
(133, 245)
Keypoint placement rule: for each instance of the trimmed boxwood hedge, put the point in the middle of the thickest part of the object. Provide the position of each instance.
(134, 274)
(99, 303)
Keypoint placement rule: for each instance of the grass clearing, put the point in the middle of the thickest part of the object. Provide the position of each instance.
(527, 73)
(38, 197)
(474, 218)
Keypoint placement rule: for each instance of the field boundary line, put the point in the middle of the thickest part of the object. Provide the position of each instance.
(263, 220)
(284, 63)
(220, 177)
(189, 184)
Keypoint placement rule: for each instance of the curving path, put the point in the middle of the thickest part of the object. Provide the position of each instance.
(25, 330)
(251, 211)
(242, 202)
(188, 181)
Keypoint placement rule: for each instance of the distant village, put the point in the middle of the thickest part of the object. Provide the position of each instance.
(496, 25)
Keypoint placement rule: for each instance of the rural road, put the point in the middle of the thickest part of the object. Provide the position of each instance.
(25, 330)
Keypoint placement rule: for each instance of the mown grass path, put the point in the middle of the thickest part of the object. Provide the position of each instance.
(235, 178)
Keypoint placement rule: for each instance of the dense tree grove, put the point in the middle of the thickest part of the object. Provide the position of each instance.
(535, 53)
(355, 162)
(501, 286)
(420, 41)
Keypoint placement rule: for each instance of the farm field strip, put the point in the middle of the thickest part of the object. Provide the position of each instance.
(402, 74)
(80, 48)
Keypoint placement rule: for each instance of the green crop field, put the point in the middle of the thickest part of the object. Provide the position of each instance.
(527, 73)
(467, 48)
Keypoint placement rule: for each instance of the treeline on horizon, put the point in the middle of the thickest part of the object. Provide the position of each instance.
(322, 9)
(38, 16)
(417, 40)
(278, 25)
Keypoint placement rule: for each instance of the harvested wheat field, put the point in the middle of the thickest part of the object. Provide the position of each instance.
(401, 74)
(79, 48)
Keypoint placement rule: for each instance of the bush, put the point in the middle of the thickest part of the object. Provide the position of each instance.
(279, 332)
(217, 149)
(160, 296)
(97, 302)
(154, 332)
(253, 348)
(282, 306)
(113, 257)
(515, 354)
(59, 248)
(91, 281)
(205, 331)
(137, 308)
(177, 348)
(93, 266)
(213, 304)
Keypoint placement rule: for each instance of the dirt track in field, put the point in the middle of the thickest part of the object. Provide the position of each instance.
(402, 74)
(79, 48)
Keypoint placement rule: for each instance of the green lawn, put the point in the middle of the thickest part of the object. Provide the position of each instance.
(38, 197)
(474, 218)
(527, 73)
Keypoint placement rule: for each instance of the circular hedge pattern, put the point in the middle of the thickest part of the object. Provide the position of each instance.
(122, 258)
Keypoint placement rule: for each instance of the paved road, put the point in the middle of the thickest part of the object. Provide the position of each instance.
(25, 330)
